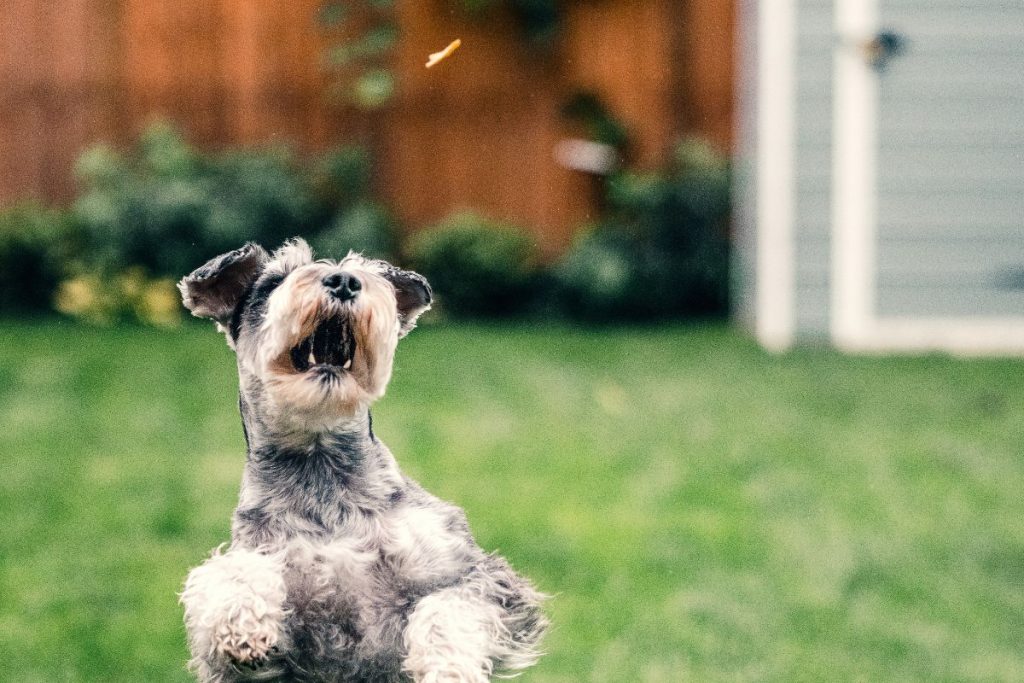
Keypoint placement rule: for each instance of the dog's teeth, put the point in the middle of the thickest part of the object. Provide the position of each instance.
(312, 358)
(348, 364)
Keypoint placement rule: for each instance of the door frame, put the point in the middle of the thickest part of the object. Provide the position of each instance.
(855, 323)
(775, 174)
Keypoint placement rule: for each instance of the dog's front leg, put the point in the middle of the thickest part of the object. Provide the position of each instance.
(490, 622)
(234, 610)
(450, 638)
(446, 640)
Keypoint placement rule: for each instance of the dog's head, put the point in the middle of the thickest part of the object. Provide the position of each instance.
(315, 339)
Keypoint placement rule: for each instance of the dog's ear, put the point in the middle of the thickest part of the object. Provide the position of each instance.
(412, 293)
(214, 289)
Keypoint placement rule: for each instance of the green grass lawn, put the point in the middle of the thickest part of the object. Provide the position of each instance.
(699, 509)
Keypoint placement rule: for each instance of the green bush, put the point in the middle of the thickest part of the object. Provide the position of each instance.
(366, 227)
(166, 207)
(36, 245)
(476, 266)
(662, 250)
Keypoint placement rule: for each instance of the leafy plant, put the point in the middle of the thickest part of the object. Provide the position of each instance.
(478, 267)
(151, 214)
(166, 207)
(662, 251)
(366, 227)
(539, 20)
(598, 123)
(365, 34)
(36, 247)
(354, 220)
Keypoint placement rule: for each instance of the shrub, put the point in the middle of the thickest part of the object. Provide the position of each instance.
(662, 251)
(36, 245)
(153, 213)
(166, 207)
(476, 266)
(260, 195)
(365, 227)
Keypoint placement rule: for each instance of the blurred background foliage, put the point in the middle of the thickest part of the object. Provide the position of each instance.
(367, 33)
(662, 248)
(145, 214)
(538, 20)
(148, 215)
(479, 267)
(36, 244)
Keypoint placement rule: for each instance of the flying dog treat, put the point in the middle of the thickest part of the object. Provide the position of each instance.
(436, 57)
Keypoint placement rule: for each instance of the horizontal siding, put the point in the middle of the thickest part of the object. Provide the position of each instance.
(935, 262)
(966, 301)
(951, 161)
(992, 164)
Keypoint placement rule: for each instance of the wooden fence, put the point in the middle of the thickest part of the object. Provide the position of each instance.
(477, 131)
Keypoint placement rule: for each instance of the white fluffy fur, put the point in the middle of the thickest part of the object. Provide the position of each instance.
(234, 604)
(291, 255)
(421, 547)
(451, 638)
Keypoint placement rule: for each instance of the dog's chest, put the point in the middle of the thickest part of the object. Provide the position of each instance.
(407, 545)
(355, 589)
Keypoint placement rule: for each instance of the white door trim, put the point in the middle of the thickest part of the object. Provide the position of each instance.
(854, 144)
(855, 323)
(775, 174)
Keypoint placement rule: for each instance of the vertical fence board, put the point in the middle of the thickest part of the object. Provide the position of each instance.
(22, 112)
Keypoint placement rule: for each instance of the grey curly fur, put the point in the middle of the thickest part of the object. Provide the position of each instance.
(340, 567)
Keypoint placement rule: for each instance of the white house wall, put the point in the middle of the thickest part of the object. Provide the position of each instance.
(887, 213)
(951, 162)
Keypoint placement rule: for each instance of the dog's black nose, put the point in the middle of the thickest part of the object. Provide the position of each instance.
(342, 285)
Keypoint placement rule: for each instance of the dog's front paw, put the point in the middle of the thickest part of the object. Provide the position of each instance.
(234, 608)
(247, 636)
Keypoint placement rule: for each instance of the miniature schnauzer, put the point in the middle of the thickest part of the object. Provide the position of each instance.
(340, 568)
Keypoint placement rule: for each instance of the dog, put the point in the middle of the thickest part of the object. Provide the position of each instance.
(340, 567)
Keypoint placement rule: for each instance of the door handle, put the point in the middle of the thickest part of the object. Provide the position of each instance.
(882, 48)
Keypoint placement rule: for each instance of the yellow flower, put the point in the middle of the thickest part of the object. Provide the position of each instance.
(159, 303)
(78, 295)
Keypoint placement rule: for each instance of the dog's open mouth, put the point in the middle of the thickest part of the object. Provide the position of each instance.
(332, 345)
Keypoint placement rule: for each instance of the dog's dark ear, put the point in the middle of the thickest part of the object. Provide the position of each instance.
(413, 295)
(214, 289)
